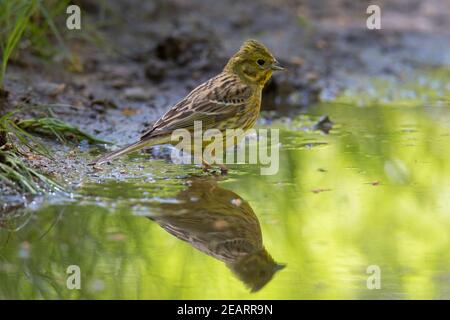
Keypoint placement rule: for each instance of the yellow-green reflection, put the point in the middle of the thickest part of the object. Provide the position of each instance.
(221, 224)
(375, 191)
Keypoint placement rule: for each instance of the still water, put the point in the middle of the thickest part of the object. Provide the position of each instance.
(372, 194)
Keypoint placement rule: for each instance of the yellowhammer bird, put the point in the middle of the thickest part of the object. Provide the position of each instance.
(230, 100)
(220, 223)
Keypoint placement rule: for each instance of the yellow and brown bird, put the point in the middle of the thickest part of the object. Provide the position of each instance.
(221, 224)
(230, 100)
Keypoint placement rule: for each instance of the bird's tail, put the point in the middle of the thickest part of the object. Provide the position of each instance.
(127, 149)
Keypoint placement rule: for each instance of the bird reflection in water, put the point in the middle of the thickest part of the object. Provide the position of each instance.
(221, 224)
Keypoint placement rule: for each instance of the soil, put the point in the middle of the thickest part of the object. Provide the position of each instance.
(150, 54)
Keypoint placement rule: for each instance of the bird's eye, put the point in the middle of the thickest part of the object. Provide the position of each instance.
(260, 62)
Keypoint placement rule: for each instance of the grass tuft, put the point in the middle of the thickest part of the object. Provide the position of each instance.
(14, 172)
(55, 127)
(18, 175)
(14, 18)
(18, 139)
(33, 20)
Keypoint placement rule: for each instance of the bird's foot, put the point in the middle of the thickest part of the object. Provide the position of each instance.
(223, 169)
(206, 167)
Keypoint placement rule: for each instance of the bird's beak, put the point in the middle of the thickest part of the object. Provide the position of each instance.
(279, 266)
(276, 66)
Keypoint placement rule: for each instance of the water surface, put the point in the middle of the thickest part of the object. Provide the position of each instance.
(374, 191)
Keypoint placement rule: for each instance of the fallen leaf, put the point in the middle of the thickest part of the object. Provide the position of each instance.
(32, 157)
(320, 190)
(298, 61)
(128, 112)
(50, 89)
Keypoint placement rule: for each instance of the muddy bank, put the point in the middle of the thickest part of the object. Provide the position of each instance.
(147, 55)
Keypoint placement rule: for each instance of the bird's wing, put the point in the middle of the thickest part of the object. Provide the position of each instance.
(214, 101)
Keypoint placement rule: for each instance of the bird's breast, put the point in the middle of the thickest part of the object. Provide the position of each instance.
(250, 115)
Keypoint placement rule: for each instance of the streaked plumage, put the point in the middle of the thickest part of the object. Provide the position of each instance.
(230, 100)
(221, 224)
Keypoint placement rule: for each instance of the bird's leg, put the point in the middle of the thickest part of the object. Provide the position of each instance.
(205, 166)
(223, 168)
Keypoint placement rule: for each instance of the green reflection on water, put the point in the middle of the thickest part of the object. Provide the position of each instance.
(375, 191)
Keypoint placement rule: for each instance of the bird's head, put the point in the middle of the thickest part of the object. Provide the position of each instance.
(253, 63)
(256, 269)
